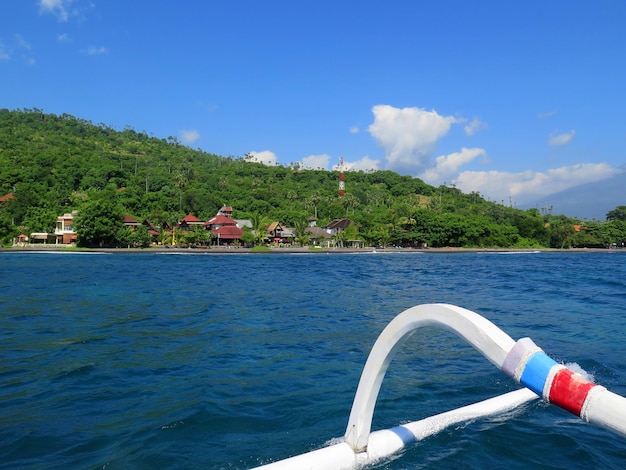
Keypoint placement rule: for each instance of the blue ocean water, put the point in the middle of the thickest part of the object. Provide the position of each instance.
(145, 360)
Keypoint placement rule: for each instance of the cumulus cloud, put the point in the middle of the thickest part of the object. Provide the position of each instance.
(189, 137)
(354, 130)
(474, 126)
(363, 164)
(266, 157)
(529, 185)
(59, 8)
(408, 135)
(448, 165)
(316, 162)
(561, 139)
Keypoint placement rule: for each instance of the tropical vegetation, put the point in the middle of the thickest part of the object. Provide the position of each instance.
(55, 164)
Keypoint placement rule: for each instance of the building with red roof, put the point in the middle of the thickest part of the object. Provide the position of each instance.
(189, 221)
(64, 230)
(224, 227)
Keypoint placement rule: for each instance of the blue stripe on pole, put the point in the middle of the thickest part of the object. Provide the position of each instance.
(536, 372)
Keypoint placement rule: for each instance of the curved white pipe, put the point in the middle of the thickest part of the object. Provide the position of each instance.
(490, 340)
(522, 360)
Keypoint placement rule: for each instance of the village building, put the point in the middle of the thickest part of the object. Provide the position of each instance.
(64, 230)
(130, 222)
(318, 236)
(336, 228)
(226, 230)
(224, 227)
(188, 222)
(152, 231)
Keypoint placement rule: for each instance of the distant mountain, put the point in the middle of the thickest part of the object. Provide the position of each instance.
(588, 201)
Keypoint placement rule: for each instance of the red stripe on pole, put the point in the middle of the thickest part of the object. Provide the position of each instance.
(569, 391)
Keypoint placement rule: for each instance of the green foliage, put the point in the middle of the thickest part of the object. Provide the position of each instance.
(99, 222)
(619, 213)
(55, 164)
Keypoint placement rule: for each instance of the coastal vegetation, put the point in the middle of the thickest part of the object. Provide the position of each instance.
(50, 165)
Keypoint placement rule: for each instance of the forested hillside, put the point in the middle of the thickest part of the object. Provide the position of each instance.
(55, 164)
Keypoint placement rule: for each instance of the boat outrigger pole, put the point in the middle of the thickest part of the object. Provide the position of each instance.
(525, 362)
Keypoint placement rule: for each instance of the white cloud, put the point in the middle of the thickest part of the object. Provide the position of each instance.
(474, 126)
(95, 50)
(447, 165)
(561, 139)
(364, 164)
(530, 185)
(266, 157)
(58, 8)
(189, 136)
(316, 162)
(354, 130)
(63, 37)
(408, 135)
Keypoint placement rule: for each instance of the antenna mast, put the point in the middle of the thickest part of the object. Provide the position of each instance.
(342, 180)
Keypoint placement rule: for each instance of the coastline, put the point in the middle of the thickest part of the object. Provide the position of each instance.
(222, 250)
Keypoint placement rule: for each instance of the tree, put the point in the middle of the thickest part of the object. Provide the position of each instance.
(51, 163)
(313, 201)
(350, 201)
(619, 213)
(140, 237)
(99, 220)
(258, 227)
(302, 236)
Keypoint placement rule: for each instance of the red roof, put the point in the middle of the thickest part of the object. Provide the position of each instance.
(191, 219)
(6, 197)
(129, 220)
(228, 232)
(221, 220)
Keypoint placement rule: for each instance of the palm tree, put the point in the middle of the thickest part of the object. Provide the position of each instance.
(291, 196)
(181, 181)
(313, 201)
(258, 226)
(350, 201)
(302, 236)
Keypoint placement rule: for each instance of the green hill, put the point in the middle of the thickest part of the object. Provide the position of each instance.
(55, 164)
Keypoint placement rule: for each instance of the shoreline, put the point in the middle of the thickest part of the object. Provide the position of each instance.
(295, 250)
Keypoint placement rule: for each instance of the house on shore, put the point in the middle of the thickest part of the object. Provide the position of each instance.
(188, 222)
(279, 234)
(64, 230)
(224, 227)
(336, 228)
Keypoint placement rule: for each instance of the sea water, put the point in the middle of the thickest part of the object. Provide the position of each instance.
(148, 360)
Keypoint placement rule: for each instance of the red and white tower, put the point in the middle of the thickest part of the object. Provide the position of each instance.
(342, 180)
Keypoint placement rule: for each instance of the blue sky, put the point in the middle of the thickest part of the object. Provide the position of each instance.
(515, 100)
